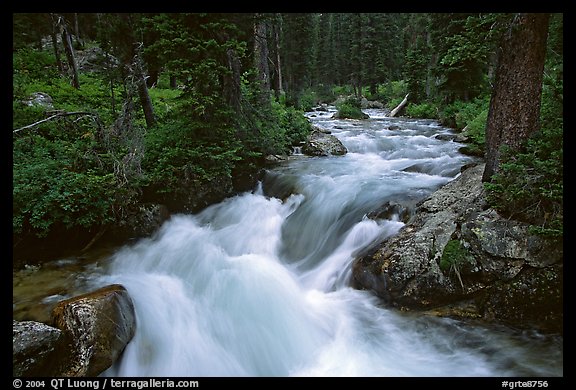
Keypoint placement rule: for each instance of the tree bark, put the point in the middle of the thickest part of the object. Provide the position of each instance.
(143, 94)
(277, 27)
(67, 42)
(173, 81)
(400, 106)
(261, 53)
(54, 36)
(79, 40)
(514, 110)
(232, 82)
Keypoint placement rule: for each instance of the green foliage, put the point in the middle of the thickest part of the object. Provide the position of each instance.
(415, 73)
(350, 108)
(476, 133)
(269, 129)
(180, 151)
(69, 172)
(453, 256)
(392, 92)
(460, 113)
(464, 44)
(292, 123)
(308, 100)
(52, 187)
(347, 111)
(422, 110)
(529, 185)
(165, 100)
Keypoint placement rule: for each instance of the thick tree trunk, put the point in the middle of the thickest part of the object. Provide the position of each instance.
(261, 52)
(515, 103)
(399, 107)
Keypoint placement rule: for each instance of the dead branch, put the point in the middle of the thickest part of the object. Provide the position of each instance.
(54, 117)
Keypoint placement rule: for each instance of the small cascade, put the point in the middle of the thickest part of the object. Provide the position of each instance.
(297, 151)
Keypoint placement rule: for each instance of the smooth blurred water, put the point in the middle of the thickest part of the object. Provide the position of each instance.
(258, 285)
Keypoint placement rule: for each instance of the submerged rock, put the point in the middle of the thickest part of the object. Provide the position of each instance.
(455, 249)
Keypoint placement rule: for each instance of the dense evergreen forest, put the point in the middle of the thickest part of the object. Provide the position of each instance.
(112, 110)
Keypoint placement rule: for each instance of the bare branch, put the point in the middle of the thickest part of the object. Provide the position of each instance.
(53, 117)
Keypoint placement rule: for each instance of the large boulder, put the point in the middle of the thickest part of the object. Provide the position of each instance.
(321, 144)
(37, 349)
(100, 325)
(456, 250)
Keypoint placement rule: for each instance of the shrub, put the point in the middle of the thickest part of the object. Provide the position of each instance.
(350, 109)
(422, 110)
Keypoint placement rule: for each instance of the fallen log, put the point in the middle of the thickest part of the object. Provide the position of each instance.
(399, 106)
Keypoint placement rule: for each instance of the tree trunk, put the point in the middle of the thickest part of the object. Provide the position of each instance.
(277, 27)
(66, 41)
(232, 82)
(261, 53)
(399, 107)
(152, 79)
(57, 51)
(515, 103)
(173, 81)
(79, 40)
(143, 94)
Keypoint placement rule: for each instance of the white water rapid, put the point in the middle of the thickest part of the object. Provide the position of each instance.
(258, 285)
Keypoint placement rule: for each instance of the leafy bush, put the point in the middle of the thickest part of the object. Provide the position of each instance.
(459, 114)
(308, 100)
(529, 185)
(50, 188)
(422, 110)
(350, 108)
(391, 92)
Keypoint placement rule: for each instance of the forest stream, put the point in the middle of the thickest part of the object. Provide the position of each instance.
(259, 284)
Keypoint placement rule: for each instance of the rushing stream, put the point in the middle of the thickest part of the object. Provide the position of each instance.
(258, 285)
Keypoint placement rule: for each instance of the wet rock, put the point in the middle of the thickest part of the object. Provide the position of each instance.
(100, 325)
(392, 211)
(321, 144)
(455, 249)
(445, 137)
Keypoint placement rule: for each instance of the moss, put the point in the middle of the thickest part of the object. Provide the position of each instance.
(454, 255)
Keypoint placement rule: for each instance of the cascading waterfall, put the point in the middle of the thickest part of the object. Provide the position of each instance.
(258, 285)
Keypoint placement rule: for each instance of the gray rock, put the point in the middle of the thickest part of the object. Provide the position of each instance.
(455, 249)
(40, 99)
(95, 59)
(321, 144)
(37, 349)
